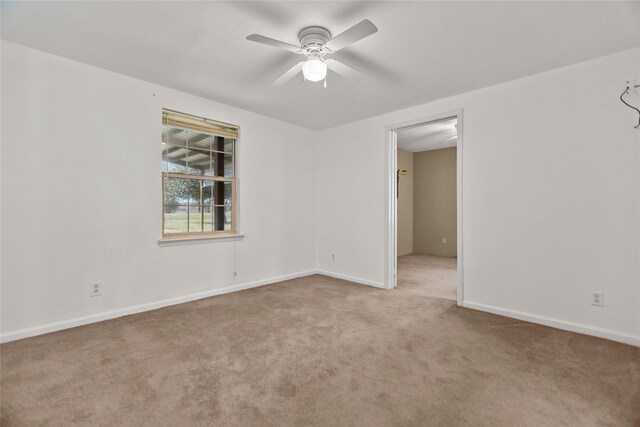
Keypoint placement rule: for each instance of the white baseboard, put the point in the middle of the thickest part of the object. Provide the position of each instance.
(93, 318)
(85, 320)
(556, 323)
(351, 279)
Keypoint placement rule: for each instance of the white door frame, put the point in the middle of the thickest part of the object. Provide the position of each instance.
(391, 243)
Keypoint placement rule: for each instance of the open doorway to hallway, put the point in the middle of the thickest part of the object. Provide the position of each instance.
(426, 203)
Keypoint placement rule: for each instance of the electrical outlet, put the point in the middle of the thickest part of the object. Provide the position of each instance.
(443, 240)
(333, 257)
(95, 289)
(597, 298)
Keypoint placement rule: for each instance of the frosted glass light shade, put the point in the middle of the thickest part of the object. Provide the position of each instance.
(314, 70)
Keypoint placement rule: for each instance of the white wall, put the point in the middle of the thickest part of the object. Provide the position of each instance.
(551, 197)
(435, 198)
(81, 196)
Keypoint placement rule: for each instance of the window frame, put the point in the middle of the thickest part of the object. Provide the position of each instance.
(212, 234)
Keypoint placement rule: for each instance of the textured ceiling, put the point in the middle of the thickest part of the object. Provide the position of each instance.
(431, 136)
(423, 50)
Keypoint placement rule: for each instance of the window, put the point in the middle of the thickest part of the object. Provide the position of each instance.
(198, 176)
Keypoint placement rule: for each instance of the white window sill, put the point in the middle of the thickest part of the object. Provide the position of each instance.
(199, 240)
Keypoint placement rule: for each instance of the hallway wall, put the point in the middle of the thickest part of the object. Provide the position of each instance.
(405, 203)
(434, 202)
(582, 207)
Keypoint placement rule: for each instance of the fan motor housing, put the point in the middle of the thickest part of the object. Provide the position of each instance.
(313, 39)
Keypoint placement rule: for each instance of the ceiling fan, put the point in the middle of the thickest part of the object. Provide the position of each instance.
(316, 43)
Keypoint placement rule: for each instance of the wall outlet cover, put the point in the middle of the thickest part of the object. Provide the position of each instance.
(95, 289)
(597, 298)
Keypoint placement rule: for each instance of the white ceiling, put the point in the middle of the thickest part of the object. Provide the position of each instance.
(422, 52)
(432, 136)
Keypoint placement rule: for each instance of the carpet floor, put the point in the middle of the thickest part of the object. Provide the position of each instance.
(318, 351)
(428, 275)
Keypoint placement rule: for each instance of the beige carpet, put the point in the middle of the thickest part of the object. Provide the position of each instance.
(318, 351)
(428, 275)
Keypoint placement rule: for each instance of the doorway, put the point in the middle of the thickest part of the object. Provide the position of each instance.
(425, 195)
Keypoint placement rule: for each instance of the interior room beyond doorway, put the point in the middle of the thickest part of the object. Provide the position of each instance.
(427, 208)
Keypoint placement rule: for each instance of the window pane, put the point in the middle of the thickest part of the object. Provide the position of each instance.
(202, 141)
(227, 193)
(188, 205)
(228, 215)
(185, 160)
(165, 159)
(173, 136)
(172, 158)
(222, 165)
(175, 191)
(193, 191)
(207, 214)
(228, 165)
(207, 192)
(211, 170)
(222, 218)
(222, 193)
(195, 218)
(228, 145)
(186, 151)
(175, 219)
(196, 162)
(218, 218)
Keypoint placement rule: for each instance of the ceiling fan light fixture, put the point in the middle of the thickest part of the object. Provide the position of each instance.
(315, 69)
(315, 43)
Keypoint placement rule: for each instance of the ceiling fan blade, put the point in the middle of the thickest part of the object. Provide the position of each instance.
(352, 35)
(343, 70)
(275, 43)
(375, 68)
(289, 74)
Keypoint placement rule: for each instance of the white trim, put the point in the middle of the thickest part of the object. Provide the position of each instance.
(93, 318)
(391, 241)
(391, 227)
(459, 171)
(557, 323)
(197, 240)
(85, 320)
(351, 279)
